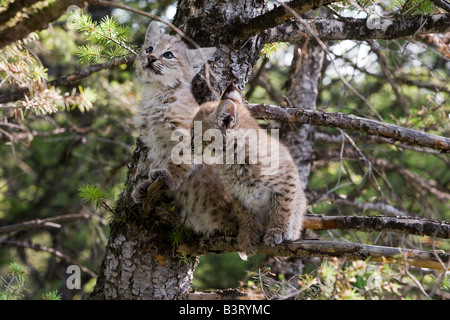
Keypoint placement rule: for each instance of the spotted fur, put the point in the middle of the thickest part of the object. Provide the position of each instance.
(165, 68)
(271, 201)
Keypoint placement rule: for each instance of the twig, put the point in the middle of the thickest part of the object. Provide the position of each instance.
(52, 251)
(445, 268)
(47, 222)
(312, 32)
(418, 284)
(382, 61)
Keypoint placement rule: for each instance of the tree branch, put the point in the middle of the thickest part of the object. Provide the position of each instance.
(442, 4)
(14, 8)
(358, 29)
(275, 17)
(380, 207)
(409, 225)
(16, 94)
(38, 247)
(322, 249)
(37, 21)
(351, 122)
(39, 223)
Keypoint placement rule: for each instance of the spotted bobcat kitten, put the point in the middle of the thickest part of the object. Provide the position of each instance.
(268, 190)
(165, 68)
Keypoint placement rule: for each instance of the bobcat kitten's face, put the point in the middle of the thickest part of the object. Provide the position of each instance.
(166, 60)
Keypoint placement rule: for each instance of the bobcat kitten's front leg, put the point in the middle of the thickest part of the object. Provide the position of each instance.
(147, 188)
(250, 229)
(160, 179)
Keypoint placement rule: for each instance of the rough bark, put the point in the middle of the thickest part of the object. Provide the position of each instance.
(209, 23)
(140, 262)
(275, 17)
(357, 29)
(302, 93)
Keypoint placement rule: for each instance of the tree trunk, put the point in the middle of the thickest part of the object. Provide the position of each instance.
(303, 89)
(140, 262)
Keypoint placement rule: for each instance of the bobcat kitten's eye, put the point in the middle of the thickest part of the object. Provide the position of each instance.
(149, 49)
(168, 55)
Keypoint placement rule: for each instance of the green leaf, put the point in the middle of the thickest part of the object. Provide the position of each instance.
(92, 194)
(51, 295)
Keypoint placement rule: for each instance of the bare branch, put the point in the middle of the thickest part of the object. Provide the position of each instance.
(382, 61)
(417, 182)
(358, 29)
(351, 122)
(38, 247)
(409, 225)
(381, 207)
(323, 249)
(442, 4)
(39, 223)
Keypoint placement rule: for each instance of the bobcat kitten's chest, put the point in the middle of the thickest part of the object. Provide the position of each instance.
(159, 116)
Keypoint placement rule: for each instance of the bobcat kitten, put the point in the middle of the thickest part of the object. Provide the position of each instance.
(271, 197)
(165, 68)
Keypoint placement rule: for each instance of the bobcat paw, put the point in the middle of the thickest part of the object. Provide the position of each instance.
(230, 230)
(139, 193)
(152, 185)
(165, 176)
(248, 242)
(273, 236)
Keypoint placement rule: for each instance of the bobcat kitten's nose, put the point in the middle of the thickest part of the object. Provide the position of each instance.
(151, 59)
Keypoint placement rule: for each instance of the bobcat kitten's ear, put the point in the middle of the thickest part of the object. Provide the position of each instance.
(232, 93)
(226, 114)
(196, 58)
(153, 32)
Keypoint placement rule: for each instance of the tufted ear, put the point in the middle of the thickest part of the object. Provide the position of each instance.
(153, 32)
(232, 93)
(198, 57)
(226, 114)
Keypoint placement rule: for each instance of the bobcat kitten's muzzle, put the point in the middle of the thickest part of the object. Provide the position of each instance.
(152, 65)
